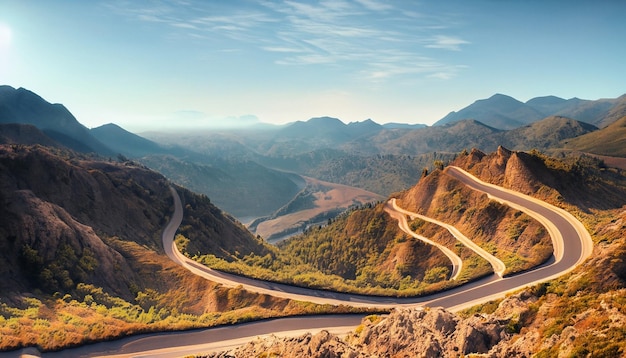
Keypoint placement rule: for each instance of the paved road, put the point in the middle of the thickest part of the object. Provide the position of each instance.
(180, 344)
(497, 265)
(572, 245)
(400, 214)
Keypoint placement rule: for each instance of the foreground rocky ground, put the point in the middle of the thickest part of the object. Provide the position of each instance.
(581, 314)
(435, 332)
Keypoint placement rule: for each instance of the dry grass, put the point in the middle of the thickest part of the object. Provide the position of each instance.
(328, 197)
(173, 299)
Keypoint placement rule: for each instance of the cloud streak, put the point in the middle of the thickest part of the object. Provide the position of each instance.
(369, 38)
(447, 43)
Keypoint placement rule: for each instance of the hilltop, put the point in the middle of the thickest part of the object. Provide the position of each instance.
(25, 107)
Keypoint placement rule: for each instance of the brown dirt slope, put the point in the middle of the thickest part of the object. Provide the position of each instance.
(81, 257)
(581, 180)
(582, 314)
(515, 238)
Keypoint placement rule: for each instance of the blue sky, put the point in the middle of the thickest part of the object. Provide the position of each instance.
(186, 63)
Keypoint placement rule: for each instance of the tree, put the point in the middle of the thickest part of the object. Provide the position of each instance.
(438, 164)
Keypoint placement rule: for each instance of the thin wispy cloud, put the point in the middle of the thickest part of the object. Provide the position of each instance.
(399, 64)
(184, 25)
(357, 34)
(285, 60)
(375, 5)
(447, 43)
(282, 49)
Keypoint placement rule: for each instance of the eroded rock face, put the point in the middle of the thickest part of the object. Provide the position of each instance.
(406, 332)
(322, 344)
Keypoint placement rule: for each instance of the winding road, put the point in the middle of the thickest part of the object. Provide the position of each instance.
(400, 214)
(572, 245)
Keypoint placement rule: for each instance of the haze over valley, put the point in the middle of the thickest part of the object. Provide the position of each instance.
(89, 190)
(350, 178)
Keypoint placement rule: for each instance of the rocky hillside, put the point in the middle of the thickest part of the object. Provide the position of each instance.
(81, 257)
(28, 134)
(578, 180)
(582, 314)
(59, 204)
(515, 238)
(404, 333)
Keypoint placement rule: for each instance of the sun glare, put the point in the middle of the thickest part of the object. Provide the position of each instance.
(5, 35)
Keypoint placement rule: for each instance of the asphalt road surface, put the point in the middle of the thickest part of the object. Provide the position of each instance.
(572, 245)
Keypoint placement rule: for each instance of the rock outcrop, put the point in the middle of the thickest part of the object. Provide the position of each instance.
(521, 325)
(430, 332)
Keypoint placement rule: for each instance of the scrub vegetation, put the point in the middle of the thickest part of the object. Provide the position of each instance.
(361, 251)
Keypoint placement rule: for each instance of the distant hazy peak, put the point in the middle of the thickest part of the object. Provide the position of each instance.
(368, 123)
(545, 100)
(500, 96)
(325, 120)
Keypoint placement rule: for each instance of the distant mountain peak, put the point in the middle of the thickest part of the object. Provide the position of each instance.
(109, 125)
(498, 111)
(546, 99)
(501, 96)
(368, 123)
(26, 107)
(124, 141)
(324, 120)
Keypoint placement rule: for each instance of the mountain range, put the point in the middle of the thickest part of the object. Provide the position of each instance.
(254, 173)
(81, 217)
(505, 112)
